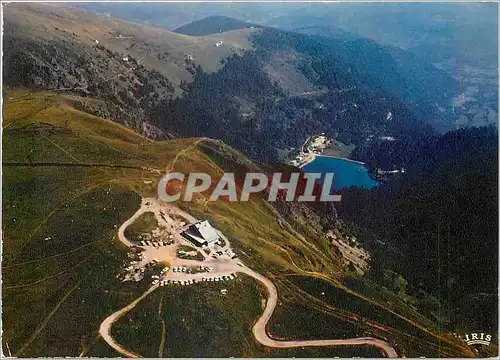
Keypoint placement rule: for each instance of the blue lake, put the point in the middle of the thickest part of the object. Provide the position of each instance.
(346, 173)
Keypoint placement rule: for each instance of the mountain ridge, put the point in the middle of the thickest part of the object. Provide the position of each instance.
(213, 25)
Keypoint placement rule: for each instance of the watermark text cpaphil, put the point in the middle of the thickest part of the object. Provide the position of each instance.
(300, 187)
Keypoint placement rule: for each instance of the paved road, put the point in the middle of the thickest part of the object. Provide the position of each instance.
(259, 329)
(126, 224)
(225, 267)
(105, 329)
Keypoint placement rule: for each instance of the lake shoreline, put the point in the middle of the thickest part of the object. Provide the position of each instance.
(347, 172)
(313, 157)
(309, 160)
(342, 158)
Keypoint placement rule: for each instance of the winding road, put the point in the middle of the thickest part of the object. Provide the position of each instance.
(260, 334)
(105, 328)
(259, 328)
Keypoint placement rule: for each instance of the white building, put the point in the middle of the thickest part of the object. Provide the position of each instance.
(201, 234)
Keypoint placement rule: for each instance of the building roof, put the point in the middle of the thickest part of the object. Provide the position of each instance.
(202, 232)
(206, 231)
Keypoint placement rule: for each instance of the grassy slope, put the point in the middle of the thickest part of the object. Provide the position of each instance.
(59, 246)
(157, 48)
(61, 203)
(146, 223)
(59, 254)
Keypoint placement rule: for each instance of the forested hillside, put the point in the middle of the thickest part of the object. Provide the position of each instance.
(261, 90)
(383, 69)
(256, 110)
(120, 70)
(442, 218)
